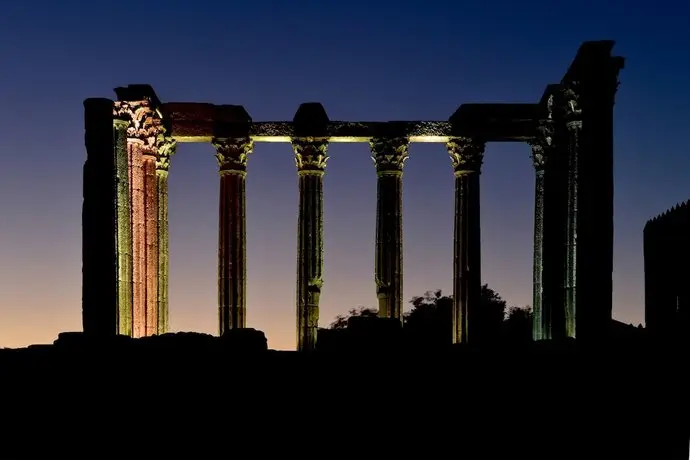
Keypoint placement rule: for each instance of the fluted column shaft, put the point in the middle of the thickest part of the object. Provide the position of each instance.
(143, 134)
(588, 102)
(573, 128)
(466, 156)
(389, 155)
(138, 213)
(232, 154)
(310, 158)
(124, 229)
(166, 149)
(151, 241)
(539, 319)
(553, 139)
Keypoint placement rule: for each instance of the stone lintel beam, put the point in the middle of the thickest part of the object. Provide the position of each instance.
(204, 130)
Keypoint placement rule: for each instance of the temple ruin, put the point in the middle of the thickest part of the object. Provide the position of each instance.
(130, 143)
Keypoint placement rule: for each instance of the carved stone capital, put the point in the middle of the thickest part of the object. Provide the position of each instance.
(120, 123)
(166, 147)
(232, 154)
(145, 123)
(389, 154)
(542, 143)
(311, 154)
(538, 155)
(466, 154)
(572, 111)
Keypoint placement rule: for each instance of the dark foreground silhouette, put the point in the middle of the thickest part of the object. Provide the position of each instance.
(368, 391)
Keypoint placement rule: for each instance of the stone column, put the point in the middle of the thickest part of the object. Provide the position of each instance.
(138, 213)
(100, 270)
(466, 156)
(310, 158)
(553, 139)
(538, 325)
(166, 149)
(143, 133)
(571, 233)
(389, 155)
(150, 158)
(589, 89)
(232, 154)
(124, 228)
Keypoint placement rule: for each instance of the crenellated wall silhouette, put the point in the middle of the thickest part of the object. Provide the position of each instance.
(666, 255)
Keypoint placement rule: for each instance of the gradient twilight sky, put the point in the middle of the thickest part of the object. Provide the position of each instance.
(364, 60)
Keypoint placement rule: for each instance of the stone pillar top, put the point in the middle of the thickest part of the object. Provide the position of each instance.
(311, 154)
(389, 153)
(466, 154)
(145, 123)
(542, 143)
(232, 154)
(166, 147)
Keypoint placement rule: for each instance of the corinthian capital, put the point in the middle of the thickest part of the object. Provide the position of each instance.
(389, 154)
(571, 106)
(311, 154)
(232, 153)
(542, 143)
(166, 147)
(466, 154)
(145, 123)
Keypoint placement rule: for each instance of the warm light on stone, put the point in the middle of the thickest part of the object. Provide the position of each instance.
(129, 144)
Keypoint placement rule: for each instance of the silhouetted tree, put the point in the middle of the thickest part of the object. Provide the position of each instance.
(340, 321)
(517, 326)
(430, 317)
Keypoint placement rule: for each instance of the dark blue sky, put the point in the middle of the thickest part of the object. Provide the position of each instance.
(362, 60)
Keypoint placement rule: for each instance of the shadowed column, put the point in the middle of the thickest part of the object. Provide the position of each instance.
(389, 155)
(310, 158)
(232, 157)
(540, 146)
(589, 89)
(100, 271)
(166, 149)
(466, 155)
(573, 127)
(124, 229)
(554, 220)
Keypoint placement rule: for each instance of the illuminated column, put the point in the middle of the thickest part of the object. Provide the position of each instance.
(136, 182)
(310, 157)
(166, 149)
(466, 156)
(144, 130)
(571, 233)
(124, 228)
(150, 158)
(538, 318)
(100, 273)
(389, 155)
(232, 154)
